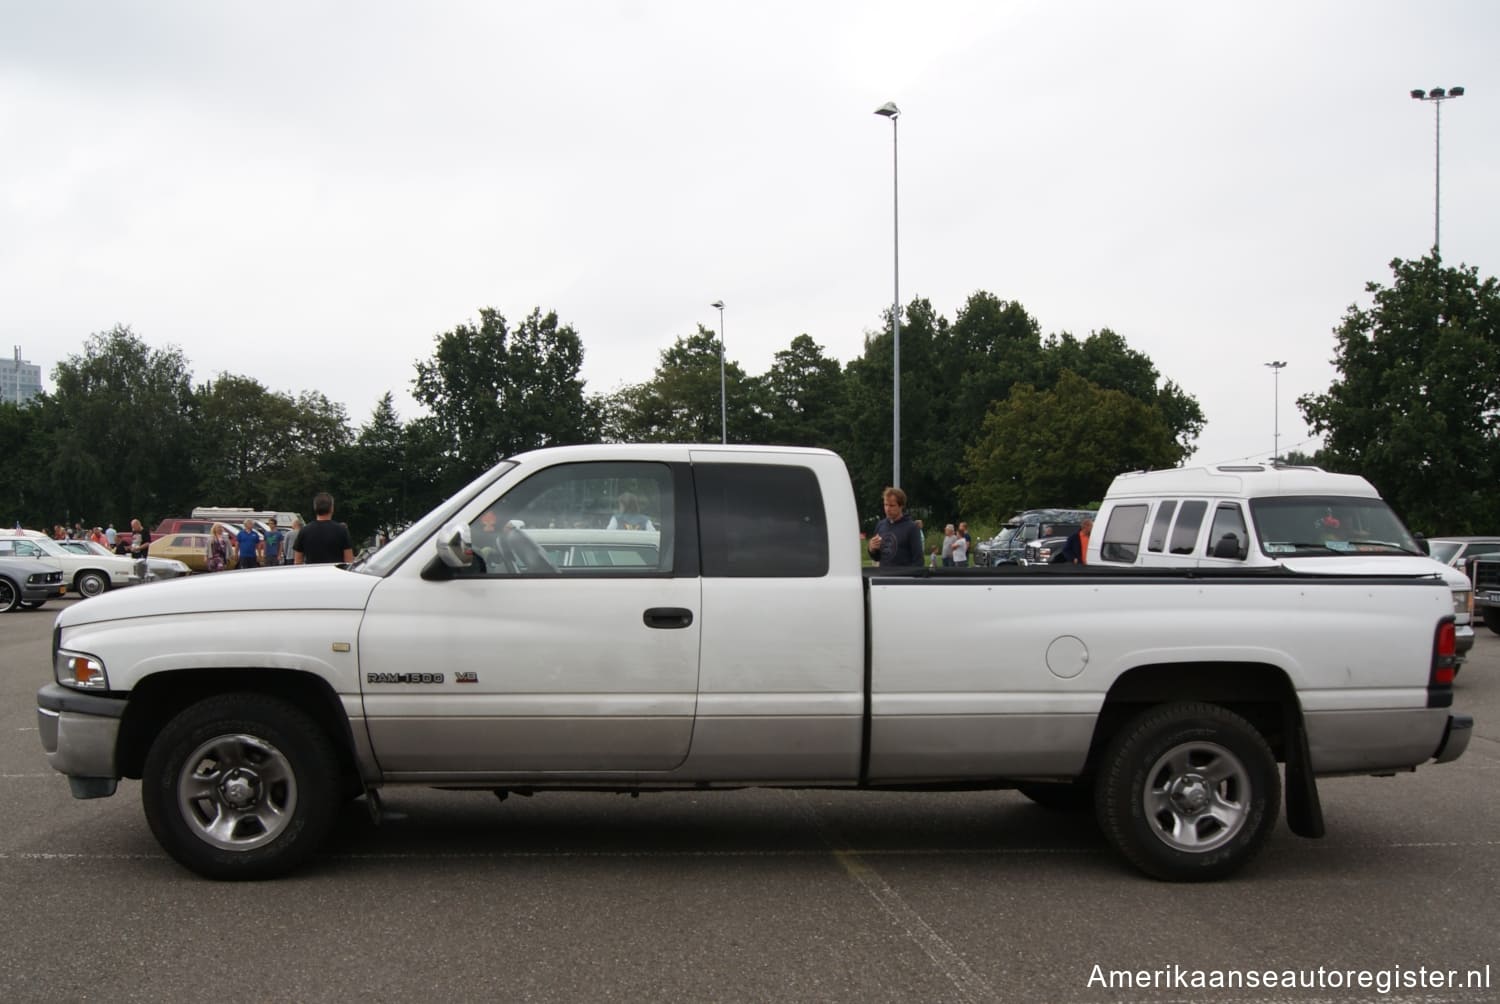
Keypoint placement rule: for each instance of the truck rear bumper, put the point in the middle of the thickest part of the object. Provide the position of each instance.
(1375, 740)
(78, 733)
(1455, 738)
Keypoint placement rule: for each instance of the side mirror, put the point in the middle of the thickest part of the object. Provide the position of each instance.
(1422, 544)
(454, 546)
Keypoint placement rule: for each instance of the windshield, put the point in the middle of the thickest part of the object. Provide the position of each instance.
(1444, 550)
(392, 554)
(1323, 525)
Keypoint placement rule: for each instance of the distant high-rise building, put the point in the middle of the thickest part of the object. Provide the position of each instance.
(20, 381)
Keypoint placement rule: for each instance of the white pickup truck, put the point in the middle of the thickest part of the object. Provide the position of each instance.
(731, 638)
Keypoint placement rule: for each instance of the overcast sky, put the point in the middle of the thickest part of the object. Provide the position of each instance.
(309, 193)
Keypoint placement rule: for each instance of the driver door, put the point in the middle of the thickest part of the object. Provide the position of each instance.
(566, 647)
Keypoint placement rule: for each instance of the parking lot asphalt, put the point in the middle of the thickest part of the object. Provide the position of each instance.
(756, 895)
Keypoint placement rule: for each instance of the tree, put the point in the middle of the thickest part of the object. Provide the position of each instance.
(681, 402)
(1416, 405)
(1062, 447)
(120, 430)
(804, 397)
(493, 392)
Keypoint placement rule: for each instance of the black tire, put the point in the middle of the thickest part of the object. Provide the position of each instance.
(91, 583)
(10, 595)
(1188, 792)
(1492, 619)
(241, 786)
(32, 604)
(1061, 796)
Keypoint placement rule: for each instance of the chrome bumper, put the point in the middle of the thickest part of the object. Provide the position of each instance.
(78, 733)
(1455, 738)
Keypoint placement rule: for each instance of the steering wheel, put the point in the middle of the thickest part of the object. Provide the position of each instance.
(523, 547)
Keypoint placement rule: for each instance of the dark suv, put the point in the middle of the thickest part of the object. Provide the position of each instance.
(1008, 547)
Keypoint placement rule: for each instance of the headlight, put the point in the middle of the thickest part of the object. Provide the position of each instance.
(81, 672)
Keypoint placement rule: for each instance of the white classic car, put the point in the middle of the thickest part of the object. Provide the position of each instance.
(156, 568)
(85, 574)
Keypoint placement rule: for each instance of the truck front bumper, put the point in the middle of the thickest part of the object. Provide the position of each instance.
(78, 735)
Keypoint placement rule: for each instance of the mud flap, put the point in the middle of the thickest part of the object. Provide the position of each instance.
(1304, 810)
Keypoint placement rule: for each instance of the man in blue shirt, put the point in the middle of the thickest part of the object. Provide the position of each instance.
(271, 553)
(249, 544)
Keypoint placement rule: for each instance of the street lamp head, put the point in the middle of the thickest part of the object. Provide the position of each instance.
(1419, 94)
(1438, 92)
(1277, 365)
(1455, 92)
(717, 304)
(889, 110)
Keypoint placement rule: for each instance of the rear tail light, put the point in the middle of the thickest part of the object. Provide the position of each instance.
(1444, 665)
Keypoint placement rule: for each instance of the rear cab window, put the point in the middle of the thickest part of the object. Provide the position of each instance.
(761, 521)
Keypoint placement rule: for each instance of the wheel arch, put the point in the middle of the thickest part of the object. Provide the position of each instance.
(1260, 693)
(158, 698)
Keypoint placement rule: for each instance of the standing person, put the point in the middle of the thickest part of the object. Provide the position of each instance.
(960, 550)
(288, 555)
(218, 549)
(271, 547)
(109, 534)
(324, 541)
(1076, 550)
(896, 542)
(247, 542)
(948, 537)
(140, 547)
(963, 531)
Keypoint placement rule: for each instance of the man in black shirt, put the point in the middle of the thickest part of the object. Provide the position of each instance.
(323, 541)
(897, 542)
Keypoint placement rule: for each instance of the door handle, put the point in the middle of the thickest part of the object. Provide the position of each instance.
(668, 617)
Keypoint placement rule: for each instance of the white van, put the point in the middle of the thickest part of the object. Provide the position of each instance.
(1259, 516)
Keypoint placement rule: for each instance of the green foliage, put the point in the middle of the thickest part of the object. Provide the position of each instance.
(120, 428)
(681, 402)
(1416, 406)
(1062, 447)
(494, 392)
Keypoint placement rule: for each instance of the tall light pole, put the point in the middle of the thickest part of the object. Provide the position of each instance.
(1437, 96)
(723, 401)
(890, 111)
(1276, 368)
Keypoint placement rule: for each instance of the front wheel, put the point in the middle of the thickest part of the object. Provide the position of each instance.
(1492, 619)
(10, 595)
(240, 786)
(91, 583)
(1189, 792)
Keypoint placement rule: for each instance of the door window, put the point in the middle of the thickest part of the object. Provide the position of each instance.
(609, 519)
(1227, 537)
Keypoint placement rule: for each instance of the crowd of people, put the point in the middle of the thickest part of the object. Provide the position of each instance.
(899, 541)
(324, 541)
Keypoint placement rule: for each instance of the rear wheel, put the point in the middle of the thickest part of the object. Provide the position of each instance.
(241, 786)
(91, 583)
(10, 595)
(1189, 792)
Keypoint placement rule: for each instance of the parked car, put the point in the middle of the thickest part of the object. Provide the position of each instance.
(156, 567)
(191, 548)
(1045, 550)
(1485, 572)
(1457, 551)
(85, 574)
(1008, 547)
(27, 582)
